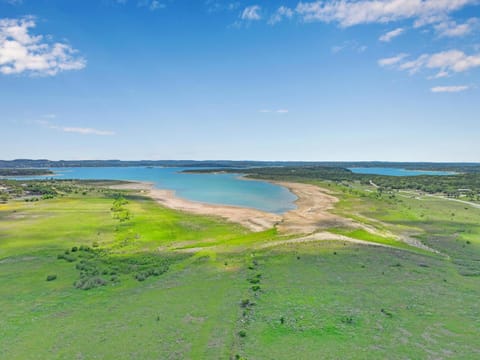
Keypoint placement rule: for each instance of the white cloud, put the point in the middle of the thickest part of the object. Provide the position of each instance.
(22, 52)
(349, 45)
(349, 13)
(282, 12)
(451, 29)
(152, 5)
(77, 130)
(449, 89)
(87, 131)
(251, 13)
(392, 60)
(217, 6)
(14, 2)
(279, 111)
(446, 62)
(387, 37)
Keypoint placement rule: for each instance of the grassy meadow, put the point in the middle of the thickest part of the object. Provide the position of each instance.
(130, 279)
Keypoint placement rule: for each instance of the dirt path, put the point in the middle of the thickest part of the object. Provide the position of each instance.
(320, 236)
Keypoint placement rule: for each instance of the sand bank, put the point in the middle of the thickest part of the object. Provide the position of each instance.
(312, 213)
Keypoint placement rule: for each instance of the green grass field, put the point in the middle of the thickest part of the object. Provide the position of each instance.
(220, 297)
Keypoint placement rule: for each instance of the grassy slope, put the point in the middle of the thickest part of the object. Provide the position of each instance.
(330, 295)
(332, 306)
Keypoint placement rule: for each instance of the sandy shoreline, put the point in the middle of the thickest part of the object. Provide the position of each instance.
(312, 213)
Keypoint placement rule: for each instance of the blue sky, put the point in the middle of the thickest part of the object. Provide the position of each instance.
(389, 80)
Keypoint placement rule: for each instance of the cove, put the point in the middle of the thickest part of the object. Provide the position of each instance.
(219, 189)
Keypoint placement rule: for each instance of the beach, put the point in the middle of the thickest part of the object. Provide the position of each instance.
(312, 212)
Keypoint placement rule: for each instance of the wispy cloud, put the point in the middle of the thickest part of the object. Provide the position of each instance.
(349, 45)
(451, 28)
(279, 111)
(387, 37)
(251, 13)
(449, 89)
(281, 13)
(349, 13)
(446, 62)
(87, 131)
(214, 6)
(390, 61)
(23, 52)
(152, 5)
(77, 130)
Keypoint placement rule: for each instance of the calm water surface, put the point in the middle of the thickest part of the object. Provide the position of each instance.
(397, 172)
(223, 189)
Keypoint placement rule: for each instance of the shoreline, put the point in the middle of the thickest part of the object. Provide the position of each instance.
(312, 213)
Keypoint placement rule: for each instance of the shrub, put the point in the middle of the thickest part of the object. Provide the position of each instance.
(141, 276)
(89, 283)
(84, 248)
(256, 287)
(66, 257)
(245, 303)
(242, 333)
(387, 313)
(51, 277)
(74, 249)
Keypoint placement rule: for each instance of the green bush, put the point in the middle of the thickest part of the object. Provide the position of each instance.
(245, 303)
(89, 283)
(51, 277)
(66, 257)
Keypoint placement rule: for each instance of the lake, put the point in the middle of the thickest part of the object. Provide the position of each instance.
(220, 189)
(398, 172)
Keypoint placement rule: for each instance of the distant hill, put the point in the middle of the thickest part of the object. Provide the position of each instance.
(44, 163)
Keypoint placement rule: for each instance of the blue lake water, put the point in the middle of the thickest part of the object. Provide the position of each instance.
(398, 172)
(223, 189)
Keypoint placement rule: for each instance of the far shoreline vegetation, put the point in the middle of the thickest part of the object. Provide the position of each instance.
(24, 172)
(460, 167)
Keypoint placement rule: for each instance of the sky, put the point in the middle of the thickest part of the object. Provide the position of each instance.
(333, 80)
